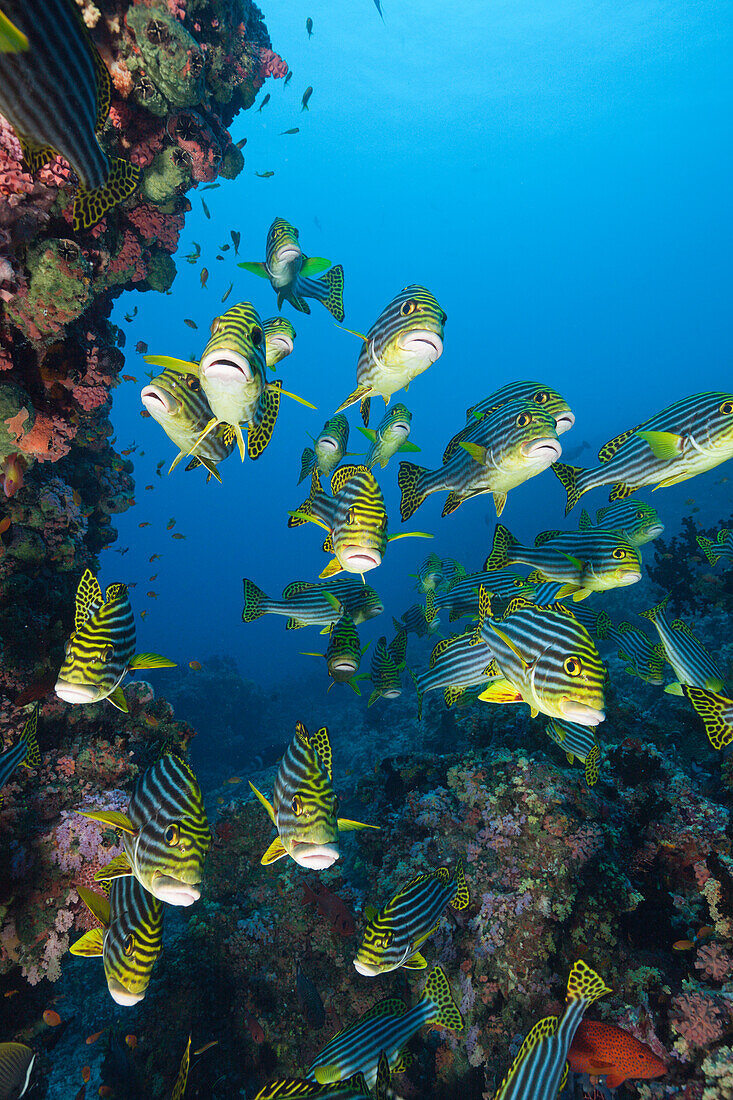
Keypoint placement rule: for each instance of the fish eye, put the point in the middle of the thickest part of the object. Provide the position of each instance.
(297, 805)
(408, 307)
(256, 335)
(572, 666)
(350, 516)
(129, 945)
(518, 582)
(106, 653)
(541, 397)
(727, 407)
(640, 515)
(215, 325)
(619, 552)
(193, 383)
(172, 835)
(523, 420)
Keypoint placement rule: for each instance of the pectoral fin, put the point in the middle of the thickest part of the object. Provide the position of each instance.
(255, 268)
(275, 852)
(314, 265)
(268, 805)
(110, 817)
(359, 394)
(346, 825)
(674, 688)
(119, 867)
(117, 699)
(90, 944)
(183, 366)
(478, 454)
(333, 567)
(415, 962)
(500, 691)
(664, 445)
(150, 660)
(408, 447)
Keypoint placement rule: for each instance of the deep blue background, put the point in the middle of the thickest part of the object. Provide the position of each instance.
(558, 174)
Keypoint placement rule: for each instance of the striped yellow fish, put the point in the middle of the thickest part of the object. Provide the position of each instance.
(690, 660)
(722, 547)
(716, 712)
(391, 435)
(291, 272)
(24, 753)
(101, 649)
(329, 447)
(578, 742)
(56, 91)
(279, 340)
(344, 653)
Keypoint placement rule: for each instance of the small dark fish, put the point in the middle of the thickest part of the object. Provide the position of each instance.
(294, 130)
(254, 1027)
(306, 96)
(309, 26)
(153, 557)
(177, 535)
(264, 103)
(170, 524)
(236, 238)
(141, 347)
(227, 292)
(309, 1000)
(219, 257)
(264, 175)
(149, 487)
(151, 579)
(205, 209)
(159, 467)
(189, 322)
(211, 186)
(224, 247)
(131, 377)
(378, 6)
(288, 78)
(144, 414)
(152, 595)
(204, 276)
(145, 524)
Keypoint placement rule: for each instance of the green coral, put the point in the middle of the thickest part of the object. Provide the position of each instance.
(171, 56)
(161, 272)
(165, 177)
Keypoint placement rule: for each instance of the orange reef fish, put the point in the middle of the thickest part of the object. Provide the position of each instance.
(609, 1050)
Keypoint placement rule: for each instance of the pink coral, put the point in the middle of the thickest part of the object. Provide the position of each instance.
(48, 440)
(697, 1017)
(715, 961)
(272, 64)
(153, 225)
(129, 259)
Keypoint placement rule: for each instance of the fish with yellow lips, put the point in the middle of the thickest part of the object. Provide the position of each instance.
(304, 807)
(129, 940)
(354, 518)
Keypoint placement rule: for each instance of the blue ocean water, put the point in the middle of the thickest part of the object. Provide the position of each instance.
(552, 172)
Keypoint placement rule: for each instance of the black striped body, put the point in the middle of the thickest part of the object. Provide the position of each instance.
(721, 547)
(102, 645)
(279, 340)
(304, 801)
(690, 660)
(343, 654)
(578, 742)
(355, 518)
(640, 522)
(177, 402)
(16, 1067)
(537, 392)
(384, 673)
(390, 436)
(328, 448)
(132, 941)
(291, 272)
(232, 367)
(645, 660)
(461, 598)
(25, 751)
(455, 662)
(167, 851)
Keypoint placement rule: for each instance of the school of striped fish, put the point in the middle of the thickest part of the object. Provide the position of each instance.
(529, 637)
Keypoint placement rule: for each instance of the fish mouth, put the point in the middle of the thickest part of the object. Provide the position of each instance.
(173, 890)
(226, 366)
(282, 342)
(393, 693)
(157, 401)
(628, 578)
(317, 857)
(288, 254)
(344, 666)
(76, 693)
(573, 711)
(366, 970)
(401, 426)
(423, 342)
(541, 448)
(357, 559)
(654, 531)
(564, 422)
(122, 996)
(327, 442)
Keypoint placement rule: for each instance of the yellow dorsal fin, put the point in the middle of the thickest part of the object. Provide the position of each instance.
(88, 598)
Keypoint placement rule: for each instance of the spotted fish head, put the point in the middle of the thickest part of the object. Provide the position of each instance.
(306, 808)
(176, 401)
(279, 339)
(552, 402)
(284, 256)
(132, 942)
(360, 530)
(523, 436)
(232, 367)
(407, 337)
(99, 650)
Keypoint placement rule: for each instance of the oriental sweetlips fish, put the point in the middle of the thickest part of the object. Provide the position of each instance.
(456, 663)
(304, 806)
(354, 518)
(690, 660)
(540, 1069)
(328, 448)
(544, 397)
(390, 436)
(16, 1067)
(721, 548)
(387, 1027)
(716, 712)
(394, 935)
(129, 940)
(419, 620)
(344, 653)
(355, 1088)
(502, 450)
(544, 657)
(461, 596)
(386, 667)
(176, 401)
(640, 522)
(24, 752)
(56, 93)
(291, 272)
(583, 562)
(687, 438)
(602, 1049)
(645, 660)
(579, 742)
(165, 833)
(404, 341)
(314, 603)
(279, 340)
(101, 649)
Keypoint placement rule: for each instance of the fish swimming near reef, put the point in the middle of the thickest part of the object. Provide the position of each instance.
(385, 671)
(461, 596)
(279, 340)
(309, 603)
(387, 1027)
(583, 562)
(419, 620)
(690, 660)
(57, 94)
(329, 447)
(24, 753)
(640, 522)
(603, 1049)
(687, 438)
(309, 999)
(331, 907)
(456, 663)
(578, 742)
(165, 833)
(101, 649)
(16, 1066)
(722, 547)
(544, 657)
(291, 272)
(403, 342)
(394, 934)
(540, 1068)
(344, 653)
(390, 436)
(129, 940)
(176, 401)
(501, 451)
(354, 519)
(355, 1088)
(304, 806)
(716, 712)
(544, 397)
